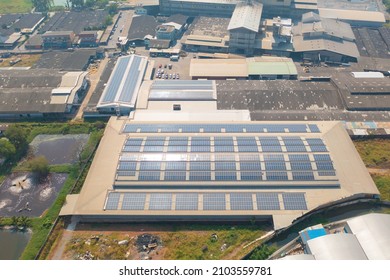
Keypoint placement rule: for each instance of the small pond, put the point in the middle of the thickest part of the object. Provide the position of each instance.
(12, 244)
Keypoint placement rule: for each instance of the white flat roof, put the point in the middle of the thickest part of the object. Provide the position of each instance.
(352, 15)
(367, 75)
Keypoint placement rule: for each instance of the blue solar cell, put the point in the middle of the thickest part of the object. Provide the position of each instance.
(269, 141)
(178, 143)
(130, 128)
(314, 128)
(271, 149)
(169, 128)
(318, 148)
(246, 141)
(112, 201)
(200, 141)
(200, 176)
(210, 128)
(267, 201)
(226, 149)
(236, 128)
(131, 148)
(116, 80)
(274, 128)
(249, 157)
(254, 128)
(301, 165)
(175, 176)
(302, 176)
(125, 173)
(200, 149)
(326, 173)
(223, 141)
(295, 149)
(133, 201)
(296, 127)
(131, 80)
(225, 176)
(322, 157)
(214, 201)
(148, 128)
(225, 165)
(273, 157)
(200, 157)
(200, 165)
(160, 201)
(153, 149)
(315, 141)
(251, 176)
(293, 141)
(186, 201)
(224, 157)
(241, 201)
(127, 165)
(175, 165)
(299, 157)
(134, 142)
(294, 201)
(277, 176)
(247, 165)
(150, 165)
(190, 128)
(149, 142)
(250, 149)
(324, 165)
(149, 176)
(275, 165)
(177, 148)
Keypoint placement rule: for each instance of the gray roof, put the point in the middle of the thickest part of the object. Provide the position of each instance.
(310, 17)
(178, 18)
(34, 40)
(142, 26)
(182, 90)
(29, 91)
(70, 61)
(125, 80)
(246, 16)
(373, 233)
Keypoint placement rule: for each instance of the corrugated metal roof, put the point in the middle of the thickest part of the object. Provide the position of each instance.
(246, 16)
(272, 68)
(352, 15)
(182, 90)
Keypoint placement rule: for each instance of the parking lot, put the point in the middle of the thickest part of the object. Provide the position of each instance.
(179, 68)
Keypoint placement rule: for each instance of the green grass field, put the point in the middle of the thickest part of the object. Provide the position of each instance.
(374, 153)
(15, 6)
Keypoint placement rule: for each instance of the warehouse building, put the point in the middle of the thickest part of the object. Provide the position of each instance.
(120, 94)
(255, 68)
(40, 92)
(204, 165)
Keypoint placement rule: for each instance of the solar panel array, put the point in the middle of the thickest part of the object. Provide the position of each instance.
(217, 128)
(225, 158)
(207, 201)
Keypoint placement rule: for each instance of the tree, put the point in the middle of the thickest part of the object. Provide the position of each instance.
(40, 166)
(7, 149)
(77, 4)
(17, 136)
(262, 252)
(42, 5)
(24, 222)
(112, 9)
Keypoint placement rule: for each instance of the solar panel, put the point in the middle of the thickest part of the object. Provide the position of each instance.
(223, 141)
(234, 128)
(326, 173)
(200, 141)
(314, 128)
(246, 141)
(251, 176)
(190, 128)
(225, 176)
(301, 165)
(275, 128)
(199, 157)
(322, 157)
(295, 149)
(269, 141)
(214, 201)
(175, 165)
(303, 176)
(178, 138)
(149, 176)
(273, 157)
(293, 141)
(225, 165)
(277, 176)
(160, 201)
(318, 148)
(324, 165)
(296, 127)
(299, 157)
(272, 148)
(200, 176)
(254, 128)
(249, 157)
(275, 165)
(133, 201)
(125, 173)
(200, 148)
(200, 165)
(112, 201)
(153, 149)
(187, 201)
(149, 142)
(116, 80)
(150, 165)
(226, 149)
(175, 176)
(250, 165)
(169, 128)
(177, 148)
(133, 141)
(148, 128)
(241, 201)
(253, 149)
(294, 201)
(178, 143)
(130, 128)
(131, 148)
(267, 201)
(210, 128)
(315, 141)
(127, 165)
(224, 157)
